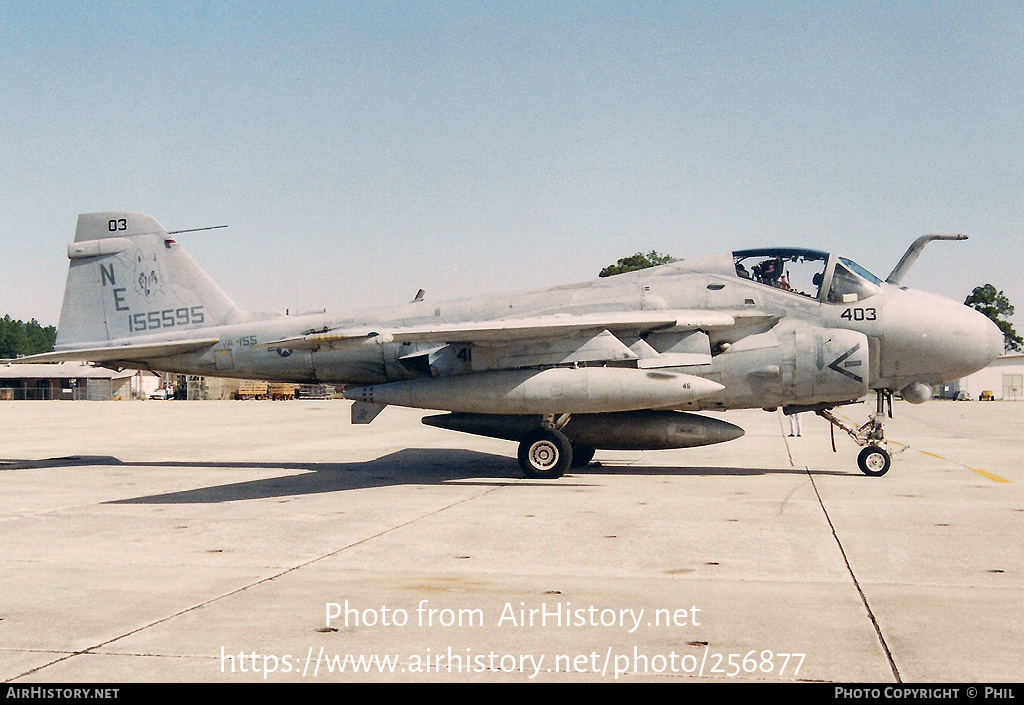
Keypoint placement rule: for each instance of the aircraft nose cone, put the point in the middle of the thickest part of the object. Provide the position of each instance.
(977, 341)
(932, 339)
(992, 338)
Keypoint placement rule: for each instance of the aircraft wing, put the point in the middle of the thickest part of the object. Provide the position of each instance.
(504, 332)
(126, 353)
(510, 330)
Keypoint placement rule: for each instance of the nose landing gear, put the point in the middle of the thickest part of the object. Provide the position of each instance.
(874, 460)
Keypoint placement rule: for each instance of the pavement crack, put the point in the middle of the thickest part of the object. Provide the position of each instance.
(91, 649)
(856, 583)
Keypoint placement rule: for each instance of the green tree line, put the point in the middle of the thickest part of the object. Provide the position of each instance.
(635, 262)
(20, 338)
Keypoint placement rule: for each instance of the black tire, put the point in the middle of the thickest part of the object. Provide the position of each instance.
(581, 456)
(874, 461)
(545, 454)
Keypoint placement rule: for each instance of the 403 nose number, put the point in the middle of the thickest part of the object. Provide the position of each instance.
(859, 314)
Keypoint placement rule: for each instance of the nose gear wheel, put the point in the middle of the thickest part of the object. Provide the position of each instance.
(874, 461)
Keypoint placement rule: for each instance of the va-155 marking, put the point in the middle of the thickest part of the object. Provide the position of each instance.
(619, 363)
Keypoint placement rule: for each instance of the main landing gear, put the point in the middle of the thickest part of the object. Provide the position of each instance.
(545, 453)
(874, 459)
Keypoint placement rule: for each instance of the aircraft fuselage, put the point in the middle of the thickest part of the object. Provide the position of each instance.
(804, 350)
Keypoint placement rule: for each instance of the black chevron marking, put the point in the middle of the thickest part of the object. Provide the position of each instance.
(836, 364)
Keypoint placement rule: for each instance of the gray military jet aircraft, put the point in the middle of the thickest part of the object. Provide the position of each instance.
(618, 363)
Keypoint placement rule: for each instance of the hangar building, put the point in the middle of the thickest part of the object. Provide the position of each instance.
(72, 381)
(1004, 379)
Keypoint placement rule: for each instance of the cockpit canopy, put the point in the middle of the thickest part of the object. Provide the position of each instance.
(811, 273)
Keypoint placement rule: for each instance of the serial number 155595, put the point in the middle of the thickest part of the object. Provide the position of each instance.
(167, 318)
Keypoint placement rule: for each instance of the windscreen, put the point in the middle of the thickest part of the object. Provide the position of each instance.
(851, 283)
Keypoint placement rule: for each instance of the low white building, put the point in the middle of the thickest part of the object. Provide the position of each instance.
(1004, 379)
(72, 381)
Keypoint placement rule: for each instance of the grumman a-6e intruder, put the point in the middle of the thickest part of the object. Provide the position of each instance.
(617, 363)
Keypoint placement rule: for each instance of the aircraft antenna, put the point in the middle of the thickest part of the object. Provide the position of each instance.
(195, 230)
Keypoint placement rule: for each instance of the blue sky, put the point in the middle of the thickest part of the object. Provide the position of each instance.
(360, 151)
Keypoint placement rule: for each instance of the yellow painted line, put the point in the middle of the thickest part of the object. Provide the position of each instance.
(983, 473)
(994, 478)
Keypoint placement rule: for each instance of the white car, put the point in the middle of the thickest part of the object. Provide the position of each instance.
(162, 394)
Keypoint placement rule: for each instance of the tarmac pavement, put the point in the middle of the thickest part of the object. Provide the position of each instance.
(273, 541)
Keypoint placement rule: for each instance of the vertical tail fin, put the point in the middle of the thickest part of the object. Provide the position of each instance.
(129, 279)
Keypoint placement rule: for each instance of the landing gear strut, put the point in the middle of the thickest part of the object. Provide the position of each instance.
(874, 459)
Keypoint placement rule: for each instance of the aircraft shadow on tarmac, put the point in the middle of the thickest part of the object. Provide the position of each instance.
(411, 466)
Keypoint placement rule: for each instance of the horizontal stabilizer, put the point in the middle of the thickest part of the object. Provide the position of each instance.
(127, 353)
(363, 412)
